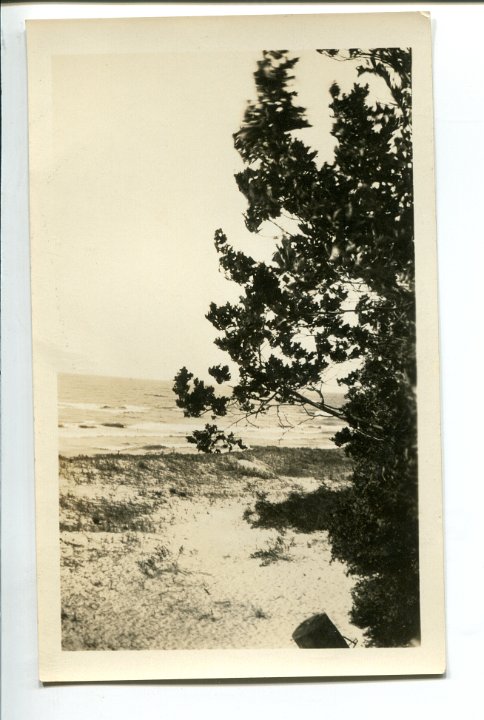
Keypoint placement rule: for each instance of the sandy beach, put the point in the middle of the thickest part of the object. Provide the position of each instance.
(176, 551)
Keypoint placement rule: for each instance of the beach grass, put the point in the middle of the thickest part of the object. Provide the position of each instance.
(200, 470)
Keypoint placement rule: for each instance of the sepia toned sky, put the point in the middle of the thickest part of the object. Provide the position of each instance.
(142, 176)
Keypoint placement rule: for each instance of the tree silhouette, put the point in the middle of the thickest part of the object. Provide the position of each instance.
(339, 288)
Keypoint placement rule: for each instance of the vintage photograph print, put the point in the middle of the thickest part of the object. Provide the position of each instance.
(235, 347)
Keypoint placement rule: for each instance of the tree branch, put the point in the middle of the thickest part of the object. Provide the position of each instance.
(319, 405)
(335, 413)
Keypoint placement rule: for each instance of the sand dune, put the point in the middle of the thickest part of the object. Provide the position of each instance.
(156, 557)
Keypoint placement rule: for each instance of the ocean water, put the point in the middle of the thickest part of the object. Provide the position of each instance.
(111, 414)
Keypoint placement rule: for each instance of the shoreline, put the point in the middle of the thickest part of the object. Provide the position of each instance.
(115, 444)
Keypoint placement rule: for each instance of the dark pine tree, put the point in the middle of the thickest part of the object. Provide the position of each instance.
(340, 287)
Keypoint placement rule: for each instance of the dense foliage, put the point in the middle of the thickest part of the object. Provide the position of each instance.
(339, 288)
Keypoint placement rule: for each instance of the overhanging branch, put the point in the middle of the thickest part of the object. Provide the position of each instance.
(336, 413)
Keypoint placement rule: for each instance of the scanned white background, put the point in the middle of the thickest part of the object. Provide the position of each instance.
(459, 107)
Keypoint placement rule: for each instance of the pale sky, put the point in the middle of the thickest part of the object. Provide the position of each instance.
(142, 175)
